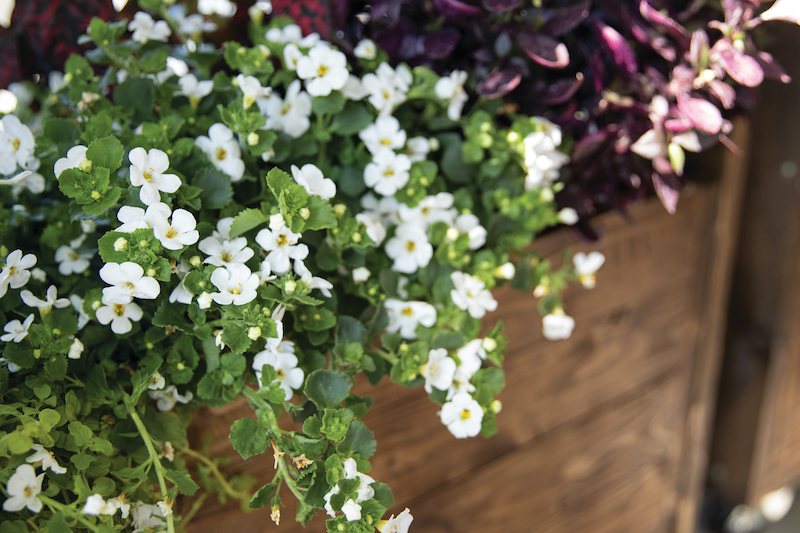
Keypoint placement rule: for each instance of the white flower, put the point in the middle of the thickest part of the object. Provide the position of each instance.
(586, 266)
(439, 371)
(542, 158)
(15, 273)
(351, 510)
(324, 69)
(506, 271)
(462, 415)
(119, 315)
(388, 172)
(119, 503)
(222, 150)
(284, 361)
(431, 209)
(225, 252)
(312, 281)
(16, 141)
(193, 89)
(568, 216)
(145, 29)
(399, 524)
(373, 227)
(291, 55)
(364, 492)
(353, 89)
(470, 294)
(39, 275)
(165, 507)
(127, 281)
(451, 88)
(282, 245)
(471, 225)
(223, 8)
(47, 459)
(195, 24)
(179, 232)
(470, 356)
(385, 132)
(289, 114)
(146, 517)
(147, 172)
(387, 88)
(16, 331)
(417, 149)
(365, 49)
(181, 293)
(237, 285)
(70, 261)
(292, 33)
(44, 306)
(75, 349)
(94, 505)
(361, 274)
(409, 248)
(786, 10)
(404, 317)
(77, 305)
(386, 210)
(23, 487)
(259, 9)
(167, 398)
(157, 381)
(557, 326)
(134, 218)
(312, 180)
(251, 89)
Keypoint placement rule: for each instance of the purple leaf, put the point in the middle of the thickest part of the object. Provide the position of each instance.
(676, 125)
(656, 41)
(723, 91)
(562, 90)
(741, 67)
(500, 6)
(543, 49)
(772, 68)
(619, 47)
(704, 115)
(456, 9)
(439, 44)
(667, 195)
(567, 19)
(588, 145)
(499, 83)
(659, 20)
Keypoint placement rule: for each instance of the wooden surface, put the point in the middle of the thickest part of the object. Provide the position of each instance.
(757, 431)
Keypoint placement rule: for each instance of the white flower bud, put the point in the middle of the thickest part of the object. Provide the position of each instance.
(121, 244)
(497, 406)
(547, 195)
(277, 222)
(540, 290)
(506, 271)
(195, 260)
(38, 274)
(489, 344)
(305, 213)
(568, 216)
(204, 300)
(252, 139)
(75, 350)
(433, 142)
(339, 209)
(254, 333)
(361, 274)
(290, 287)
(88, 226)
(451, 234)
(151, 272)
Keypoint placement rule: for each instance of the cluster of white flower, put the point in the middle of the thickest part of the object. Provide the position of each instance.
(351, 508)
(16, 152)
(543, 160)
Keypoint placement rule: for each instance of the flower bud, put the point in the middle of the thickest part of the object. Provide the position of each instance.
(305, 213)
(195, 260)
(489, 344)
(204, 300)
(568, 216)
(361, 274)
(254, 333)
(433, 142)
(497, 406)
(151, 272)
(340, 209)
(451, 234)
(276, 222)
(290, 287)
(96, 305)
(546, 195)
(252, 138)
(95, 195)
(88, 226)
(540, 290)
(506, 271)
(121, 244)
(356, 237)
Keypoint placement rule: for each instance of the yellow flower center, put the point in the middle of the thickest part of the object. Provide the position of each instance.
(226, 257)
(285, 109)
(16, 144)
(408, 311)
(129, 285)
(221, 154)
(282, 240)
(148, 175)
(411, 246)
(465, 414)
(119, 309)
(74, 256)
(171, 234)
(322, 70)
(386, 142)
(28, 490)
(386, 95)
(237, 290)
(281, 374)
(389, 172)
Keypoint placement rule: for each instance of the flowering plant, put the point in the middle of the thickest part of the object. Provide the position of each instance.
(184, 225)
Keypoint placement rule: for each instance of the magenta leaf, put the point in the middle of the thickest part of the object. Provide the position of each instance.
(741, 67)
(704, 115)
(667, 195)
(543, 49)
(663, 22)
(500, 6)
(619, 47)
(566, 19)
(562, 90)
(499, 83)
(454, 8)
(772, 68)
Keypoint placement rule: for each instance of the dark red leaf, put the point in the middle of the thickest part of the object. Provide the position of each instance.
(543, 49)
(456, 9)
(499, 83)
(703, 114)
(618, 46)
(741, 67)
(663, 22)
(566, 19)
(562, 90)
(500, 6)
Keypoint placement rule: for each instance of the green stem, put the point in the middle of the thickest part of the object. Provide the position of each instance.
(230, 491)
(66, 509)
(148, 442)
(193, 511)
(116, 58)
(385, 355)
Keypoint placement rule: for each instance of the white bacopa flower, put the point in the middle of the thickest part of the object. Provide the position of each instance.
(417, 149)
(364, 492)
(146, 517)
(251, 89)
(167, 398)
(145, 29)
(134, 218)
(39, 275)
(471, 225)
(282, 246)
(431, 209)
(236, 284)
(439, 371)
(181, 293)
(324, 70)
(22, 488)
(506, 271)
(77, 305)
(44, 306)
(225, 252)
(388, 172)
(75, 349)
(94, 505)
(471, 357)
(404, 317)
(193, 89)
(542, 158)
(157, 381)
(399, 524)
(373, 227)
(365, 49)
(119, 503)
(16, 141)
(409, 248)
(16, 331)
(70, 261)
(223, 8)
(385, 132)
(195, 24)
(470, 294)
(291, 33)
(353, 89)
(361, 274)
(568, 216)
(47, 459)
(586, 266)
(462, 415)
(119, 315)
(312, 281)
(312, 180)
(351, 510)
(222, 150)
(387, 87)
(127, 281)
(147, 171)
(289, 114)
(451, 88)
(557, 325)
(179, 232)
(291, 55)
(259, 9)
(285, 364)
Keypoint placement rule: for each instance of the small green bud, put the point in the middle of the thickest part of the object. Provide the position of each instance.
(252, 138)
(195, 260)
(95, 195)
(305, 213)
(85, 166)
(121, 244)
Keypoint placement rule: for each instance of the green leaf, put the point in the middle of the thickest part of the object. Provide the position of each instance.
(82, 461)
(57, 524)
(328, 105)
(248, 438)
(138, 94)
(488, 382)
(79, 69)
(56, 368)
(106, 152)
(359, 440)
(82, 434)
(48, 419)
(263, 496)
(327, 388)
(19, 442)
(172, 315)
(322, 215)
(449, 340)
(383, 494)
(235, 337)
(350, 330)
(104, 486)
(247, 220)
(234, 363)
(106, 245)
(353, 118)
(102, 446)
(13, 526)
(217, 189)
(97, 127)
(183, 481)
(61, 131)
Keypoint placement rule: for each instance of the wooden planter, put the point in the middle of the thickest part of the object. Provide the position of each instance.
(604, 432)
